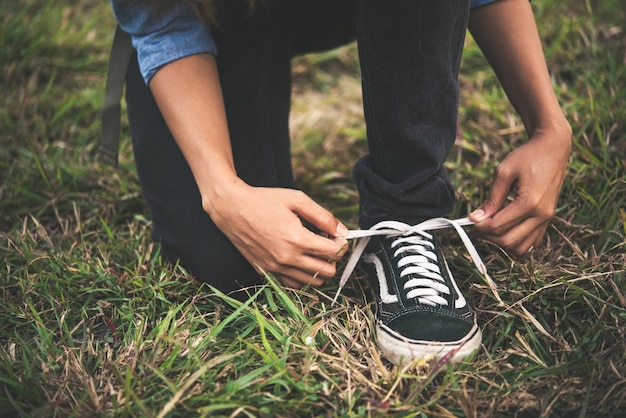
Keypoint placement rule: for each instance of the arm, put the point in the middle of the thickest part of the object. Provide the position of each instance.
(534, 172)
(263, 223)
(176, 56)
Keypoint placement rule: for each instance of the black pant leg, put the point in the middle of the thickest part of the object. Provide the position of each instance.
(410, 53)
(254, 66)
(179, 224)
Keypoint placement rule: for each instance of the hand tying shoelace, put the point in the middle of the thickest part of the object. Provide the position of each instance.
(394, 230)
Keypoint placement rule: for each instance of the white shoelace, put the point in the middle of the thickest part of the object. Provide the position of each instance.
(398, 229)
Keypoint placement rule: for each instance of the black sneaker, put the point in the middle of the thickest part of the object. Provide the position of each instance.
(420, 311)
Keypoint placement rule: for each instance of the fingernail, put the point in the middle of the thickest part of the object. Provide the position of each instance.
(478, 214)
(342, 231)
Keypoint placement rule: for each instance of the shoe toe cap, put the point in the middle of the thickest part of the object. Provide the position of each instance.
(430, 326)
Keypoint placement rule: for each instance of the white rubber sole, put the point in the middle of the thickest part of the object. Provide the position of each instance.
(401, 350)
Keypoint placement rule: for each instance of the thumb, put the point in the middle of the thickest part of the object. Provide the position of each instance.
(321, 218)
(500, 189)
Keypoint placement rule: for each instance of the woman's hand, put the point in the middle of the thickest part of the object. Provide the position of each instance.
(265, 225)
(532, 175)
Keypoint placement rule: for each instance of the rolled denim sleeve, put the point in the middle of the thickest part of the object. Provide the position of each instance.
(161, 39)
(476, 3)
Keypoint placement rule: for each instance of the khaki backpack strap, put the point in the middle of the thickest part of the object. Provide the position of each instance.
(121, 51)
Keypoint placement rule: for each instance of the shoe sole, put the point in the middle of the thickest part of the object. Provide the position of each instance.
(402, 350)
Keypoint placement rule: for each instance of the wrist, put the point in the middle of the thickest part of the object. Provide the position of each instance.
(554, 140)
(554, 129)
(221, 194)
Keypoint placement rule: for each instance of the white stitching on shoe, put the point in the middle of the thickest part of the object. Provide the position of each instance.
(407, 233)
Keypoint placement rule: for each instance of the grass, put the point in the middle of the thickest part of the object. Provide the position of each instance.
(92, 323)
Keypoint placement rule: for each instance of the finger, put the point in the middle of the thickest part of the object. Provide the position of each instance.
(321, 218)
(318, 246)
(506, 219)
(534, 239)
(500, 188)
(289, 282)
(300, 277)
(539, 238)
(512, 239)
(299, 280)
(308, 270)
(345, 246)
(522, 237)
(318, 269)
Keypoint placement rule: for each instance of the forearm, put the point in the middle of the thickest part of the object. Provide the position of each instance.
(264, 224)
(506, 33)
(189, 96)
(532, 174)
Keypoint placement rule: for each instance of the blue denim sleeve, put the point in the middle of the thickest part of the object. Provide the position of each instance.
(162, 39)
(476, 3)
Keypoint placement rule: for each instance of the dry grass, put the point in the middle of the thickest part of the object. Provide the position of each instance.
(93, 324)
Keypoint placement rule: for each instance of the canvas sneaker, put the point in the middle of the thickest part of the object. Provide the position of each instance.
(420, 311)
